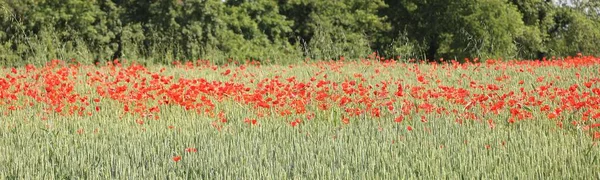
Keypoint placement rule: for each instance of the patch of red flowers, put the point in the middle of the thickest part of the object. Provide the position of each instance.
(470, 91)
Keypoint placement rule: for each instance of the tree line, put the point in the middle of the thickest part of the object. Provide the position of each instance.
(290, 30)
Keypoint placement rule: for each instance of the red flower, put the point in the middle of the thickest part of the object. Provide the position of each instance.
(293, 123)
(421, 79)
(376, 112)
(399, 91)
(154, 109)
(345, 120)
(176, 158)
(511, 120)
(409, 128)
(296, 122)
(80, 131)
(551, 115)
(222, 117)
(250, 121)
(226, 72)
(559, 124)
(191, 150)
(588, 84)
(399, 119)
(263, 104)
(491, 124)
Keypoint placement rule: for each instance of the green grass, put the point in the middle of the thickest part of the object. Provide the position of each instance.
(121, 149)
(113, 146)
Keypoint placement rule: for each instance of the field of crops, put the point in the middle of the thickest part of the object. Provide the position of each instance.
(363, 119)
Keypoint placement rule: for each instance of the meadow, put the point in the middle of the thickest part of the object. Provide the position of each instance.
(347, 119)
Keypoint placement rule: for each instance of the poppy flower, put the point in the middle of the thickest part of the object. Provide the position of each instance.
(511, 120)
(250, 121)
(552, 115)
(399, 119)
(491, 124)
(227, 72)
(191, 150)
(176, 158)
(295, 123)
(588, 84)
(345, 120)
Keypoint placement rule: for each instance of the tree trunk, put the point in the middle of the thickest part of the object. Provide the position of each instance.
(119, 52)
(434, 45)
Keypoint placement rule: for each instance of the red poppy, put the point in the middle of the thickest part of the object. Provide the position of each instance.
(226, 72)
(588, 84)
(491, 124)
(80, 131)
(596, 135)
(399, 119)
(176, 158)
(552, 115)
(511, 120)
(191, 150)
(345, 120)
(295, 123)
(250, 121)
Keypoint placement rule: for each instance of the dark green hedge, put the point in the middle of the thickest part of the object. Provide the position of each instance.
(161, 31)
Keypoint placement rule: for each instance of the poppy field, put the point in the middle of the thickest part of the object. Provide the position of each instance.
(352, 119)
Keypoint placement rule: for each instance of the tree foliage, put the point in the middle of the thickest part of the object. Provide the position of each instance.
(284, 30)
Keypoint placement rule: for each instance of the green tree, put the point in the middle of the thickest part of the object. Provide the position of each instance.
(557, 29)
(537, 18)
(256, 30)
(45, 29)
(573, 32)
(461, 28)
(328, 29)
(166, 30)
(486, 28)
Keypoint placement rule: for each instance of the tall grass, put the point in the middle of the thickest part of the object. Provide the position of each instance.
(111, 144)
